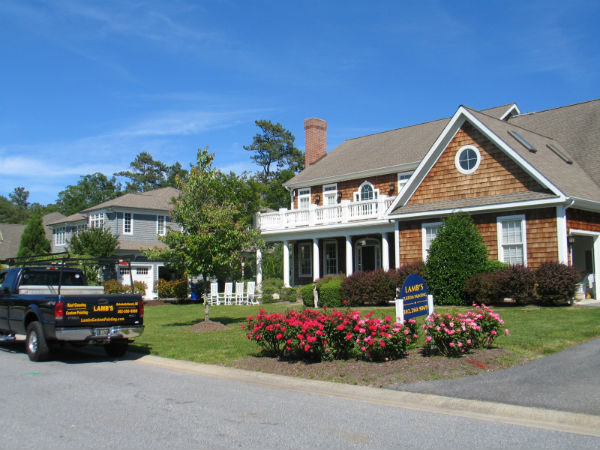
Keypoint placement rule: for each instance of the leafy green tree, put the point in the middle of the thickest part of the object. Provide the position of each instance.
(19, 197)
(278, 159)
(95, 242)
(147, 174)
(90, 190)
(33, 240)
(456, 254)
(215, 226)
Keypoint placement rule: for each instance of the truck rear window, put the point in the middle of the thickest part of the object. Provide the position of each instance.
(51, 278)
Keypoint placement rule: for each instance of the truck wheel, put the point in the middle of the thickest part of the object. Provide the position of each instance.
(35, 343)
(116, 349)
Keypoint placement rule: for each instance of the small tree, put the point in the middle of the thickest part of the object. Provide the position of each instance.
(33, 240)
(456, 254)
(95, 242)
(214, 224)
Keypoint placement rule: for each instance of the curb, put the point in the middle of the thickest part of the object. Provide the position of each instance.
(547, 419)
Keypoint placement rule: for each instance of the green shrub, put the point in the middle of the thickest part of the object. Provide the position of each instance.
(306, 292)
(330, 292)
(290, 294)
(139, 287)
(113, 287)
(556, 283)
(456, 254)
(493, 266)
(172, 289)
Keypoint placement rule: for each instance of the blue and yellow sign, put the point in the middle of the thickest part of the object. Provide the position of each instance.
(414, 294)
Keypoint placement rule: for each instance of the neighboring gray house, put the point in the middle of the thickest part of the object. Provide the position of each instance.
(136, 219)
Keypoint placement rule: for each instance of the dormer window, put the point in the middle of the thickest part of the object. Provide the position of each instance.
(403, 179)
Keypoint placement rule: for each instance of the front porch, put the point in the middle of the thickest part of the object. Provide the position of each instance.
(308, 258)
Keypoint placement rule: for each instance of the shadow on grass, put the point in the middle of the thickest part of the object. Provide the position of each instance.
(221, 319)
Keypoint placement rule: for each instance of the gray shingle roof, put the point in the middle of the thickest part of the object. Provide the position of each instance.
(158, 199)
(10, 239)
(574, 130)
(571, 179)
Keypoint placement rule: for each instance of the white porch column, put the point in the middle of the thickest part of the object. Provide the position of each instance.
(316, 265)
(596, 253)
(385, 252)
(397, 245)
(259, 270)
(561, 234)
(286, 264)
(348, 256)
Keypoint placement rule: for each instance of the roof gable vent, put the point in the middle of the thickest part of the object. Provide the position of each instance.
(522, 141)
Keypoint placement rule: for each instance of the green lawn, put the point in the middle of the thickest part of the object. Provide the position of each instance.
(534, 331)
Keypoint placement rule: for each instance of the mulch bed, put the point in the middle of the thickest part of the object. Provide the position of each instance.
(206, 325)
(415, 367)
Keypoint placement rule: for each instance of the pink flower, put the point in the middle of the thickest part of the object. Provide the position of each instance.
(428, 339)
(452, 344)
(494, 332)
(279, 336)
(506, 331)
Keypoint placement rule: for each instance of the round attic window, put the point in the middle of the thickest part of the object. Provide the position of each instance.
(467, 159)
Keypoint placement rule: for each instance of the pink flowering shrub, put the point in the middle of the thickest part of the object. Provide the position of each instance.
(315, 335)
(455, 335)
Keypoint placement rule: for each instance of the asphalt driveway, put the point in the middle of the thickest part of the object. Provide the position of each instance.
(565, 381)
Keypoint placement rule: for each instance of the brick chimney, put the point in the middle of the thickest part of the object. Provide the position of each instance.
(315, 133)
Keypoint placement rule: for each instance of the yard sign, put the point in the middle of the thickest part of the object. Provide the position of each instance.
(413, 299)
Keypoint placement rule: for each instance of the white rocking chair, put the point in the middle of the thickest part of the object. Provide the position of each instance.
(228, 295)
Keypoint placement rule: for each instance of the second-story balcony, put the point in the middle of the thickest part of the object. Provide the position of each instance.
(344, 212)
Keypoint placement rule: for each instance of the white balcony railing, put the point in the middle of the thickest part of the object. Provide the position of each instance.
(324, 215)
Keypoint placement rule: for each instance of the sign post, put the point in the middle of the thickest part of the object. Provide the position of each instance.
(413, 299)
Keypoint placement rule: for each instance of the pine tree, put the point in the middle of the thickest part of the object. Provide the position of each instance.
(33, 240)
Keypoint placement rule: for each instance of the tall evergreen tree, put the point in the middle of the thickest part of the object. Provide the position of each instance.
(33, 240)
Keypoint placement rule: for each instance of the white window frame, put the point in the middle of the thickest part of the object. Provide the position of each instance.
(303, 195)
(330, 191)
(403, 178)
(424, 228)
(310, 261)
(325, 265)
(142, 270)
(499, 225)
(160, 218)
(358, 194)
(130, 232)
(457, 159)
(96, 219)
(60, 237)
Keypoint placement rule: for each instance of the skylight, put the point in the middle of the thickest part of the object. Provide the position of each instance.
(560, 154)
(523, 141)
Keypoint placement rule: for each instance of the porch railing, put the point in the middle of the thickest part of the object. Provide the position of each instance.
(343, 212)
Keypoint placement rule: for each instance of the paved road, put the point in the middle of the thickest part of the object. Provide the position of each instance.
(565, 381)
(84, 401)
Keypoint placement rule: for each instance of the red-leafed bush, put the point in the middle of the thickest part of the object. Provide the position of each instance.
(556, 283)
(516, 282)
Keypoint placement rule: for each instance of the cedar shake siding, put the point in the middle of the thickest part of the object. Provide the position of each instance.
(497, 173)
(583, 220)
(542, 243)
(347, 189)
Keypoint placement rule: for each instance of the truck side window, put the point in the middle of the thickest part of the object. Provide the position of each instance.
(2, 278)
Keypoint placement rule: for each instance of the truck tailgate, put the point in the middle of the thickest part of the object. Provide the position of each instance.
(94, 311)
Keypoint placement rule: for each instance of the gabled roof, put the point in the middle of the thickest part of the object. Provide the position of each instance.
(77, 217)
(397, 150)
(158, 199)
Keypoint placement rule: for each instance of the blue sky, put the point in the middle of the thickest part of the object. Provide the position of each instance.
(87, 85)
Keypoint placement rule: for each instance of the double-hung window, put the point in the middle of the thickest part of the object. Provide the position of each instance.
(97, 220)
(428, 234)
(161, 225)
(60, 238)
(330, 257)
(512, 242)
(304, 198)
(127, 223)
(305, 259)
(330, 194)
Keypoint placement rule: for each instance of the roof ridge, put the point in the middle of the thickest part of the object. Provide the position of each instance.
(396, 129)
(555, 108)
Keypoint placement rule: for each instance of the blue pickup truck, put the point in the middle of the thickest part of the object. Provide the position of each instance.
(51, 303)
